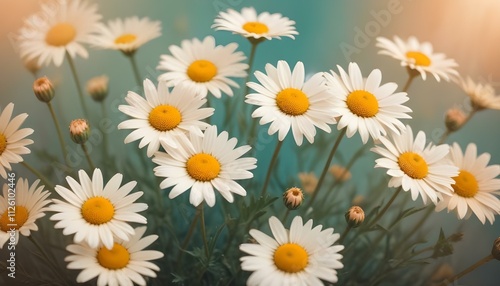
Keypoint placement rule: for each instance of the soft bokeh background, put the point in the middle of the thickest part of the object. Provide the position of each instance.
(331, 33)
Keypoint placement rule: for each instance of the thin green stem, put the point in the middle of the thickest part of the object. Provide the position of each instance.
(104, 133)
(53, 266)
(344, 234)
(91, 164)
(42, 178)
(78, 85)
(135, 69)
(59, 134)
(203, 230)
(326, 167)
(186, 240)
(271, 166)
(468, 270)
(386, 207)
(412, 74)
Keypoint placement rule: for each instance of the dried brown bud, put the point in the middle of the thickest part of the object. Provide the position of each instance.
(355, 216)
(293, 198)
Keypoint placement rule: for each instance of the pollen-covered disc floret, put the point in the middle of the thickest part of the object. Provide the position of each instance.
(476, 187)
(31, 203)
(126, 35)
(125, 263)
(95, 213)
(303, 255)
(163, 116)
(203, 66)
(202, 164)
(364, 105)
(286, 100)
(58, 29)
(255, 27)
(418, 56)
(422, 170)
(13, 140)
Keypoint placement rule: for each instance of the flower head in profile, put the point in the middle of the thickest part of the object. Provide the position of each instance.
(255, 27)
(418, 57)
(13, 140)
(203, 66)
(366, 106)
(57, 30)
(482, 95)
(31, 202)
(422, 170)
(202, 164)
(126, 35)
(124, 264)
(302, 255)
(475, 186)
(288, 101)
(95, 213)
(163, 116)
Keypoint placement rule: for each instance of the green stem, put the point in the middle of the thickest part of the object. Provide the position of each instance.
(135, 69)
(325, 168)
(42, 178)
(104, 134)
(412, 74)
(386, 207)
(186, 240)
(59, 133)
(53, 266)
(271, 166)
(344, 234)
(203, 229)
(468, 270)
(92, 167)
(78, 85)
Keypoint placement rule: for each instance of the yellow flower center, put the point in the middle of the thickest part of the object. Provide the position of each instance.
(164, 117)
(465, 184)
(292, 101)
(419, 58)
(201, 71)
(362, 103)
(255, 27)
(125, 39)
(14, 220)
(291, 258)
(203, 167)
(115, 258)
(98, 210)
(60, 35)
(3, 143)
(413, 165)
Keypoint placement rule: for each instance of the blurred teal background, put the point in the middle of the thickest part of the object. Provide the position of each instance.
(330, 33)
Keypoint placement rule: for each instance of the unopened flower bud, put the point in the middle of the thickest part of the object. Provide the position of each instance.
(496, 249)
(309, 182)
(355, 216)
(442, 273)
(32, 65)
(79, 130)
(358, 200)
(340, 173)
(97, 87)
(293, 198)
(43, 89)
(455, 118)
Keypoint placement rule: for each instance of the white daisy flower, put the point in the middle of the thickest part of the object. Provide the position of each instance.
(204, 164)
(203, 66)
(163, 116)
(418, 56)
(255, 27)
(124, 264)
(97, 214)
(417, 168)
(30, 204)
(13, 140)
(126, 35)
(475, 186)
(286, 100)
(57, 30)
(300, 256)
(364, 105)
(482, 96)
